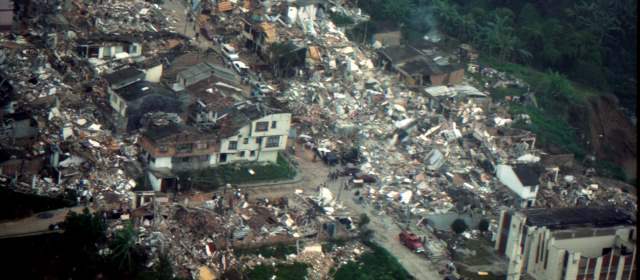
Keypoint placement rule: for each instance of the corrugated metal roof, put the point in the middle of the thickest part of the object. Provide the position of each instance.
(225, 6)
(269, 30)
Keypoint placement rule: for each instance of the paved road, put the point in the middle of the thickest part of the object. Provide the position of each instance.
(34, 224)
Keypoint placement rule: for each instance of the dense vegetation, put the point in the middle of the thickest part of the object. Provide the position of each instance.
(74, 254)
(590, 41)
(378, 264)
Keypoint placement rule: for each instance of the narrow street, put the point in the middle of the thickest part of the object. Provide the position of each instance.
(177, 10)
(34, 223)
(386, 230)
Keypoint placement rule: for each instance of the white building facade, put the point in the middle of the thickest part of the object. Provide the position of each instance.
(568, 244)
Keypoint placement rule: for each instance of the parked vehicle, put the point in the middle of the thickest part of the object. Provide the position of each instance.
(261, 90)
(330, 158)
(411, 241)
(230, 52)
(240, 67)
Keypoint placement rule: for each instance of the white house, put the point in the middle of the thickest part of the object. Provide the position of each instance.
(258, 141)
(245, 132)
(523, 182)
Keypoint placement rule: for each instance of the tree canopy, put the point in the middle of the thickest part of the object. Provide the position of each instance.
(590, 41)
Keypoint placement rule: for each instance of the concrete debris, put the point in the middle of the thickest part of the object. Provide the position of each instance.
(410, 149)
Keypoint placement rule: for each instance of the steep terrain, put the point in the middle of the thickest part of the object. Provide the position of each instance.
(612, 135)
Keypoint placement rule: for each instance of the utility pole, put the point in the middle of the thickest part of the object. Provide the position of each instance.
(340, 187)
(186, 19)
(364, 37)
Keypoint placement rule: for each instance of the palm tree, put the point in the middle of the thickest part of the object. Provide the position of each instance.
(600, 17)
(123, 246)
(468, 26)
(448, 14)
(498, 35)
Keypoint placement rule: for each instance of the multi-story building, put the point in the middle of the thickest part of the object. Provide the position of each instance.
(568, 243)
(245, 132)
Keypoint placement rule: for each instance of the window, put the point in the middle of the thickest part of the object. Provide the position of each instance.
(273, 124)
(273, 141)
(185, 159)
(245, 141)
(252, 154)
(203, 158)
(259, 140)
(233, 145)
(94, 51)
(262, 126)
(241, 154)
(546, 258)
(184, 148)
(106, 52)
(202, 145)
(163, 149)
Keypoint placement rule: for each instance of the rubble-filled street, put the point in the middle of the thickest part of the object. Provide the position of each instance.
(235, 138)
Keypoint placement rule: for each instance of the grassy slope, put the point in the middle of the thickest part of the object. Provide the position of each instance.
(549, 123)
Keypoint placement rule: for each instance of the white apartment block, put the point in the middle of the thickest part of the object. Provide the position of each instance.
(568, 244)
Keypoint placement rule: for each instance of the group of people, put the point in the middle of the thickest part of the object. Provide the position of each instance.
(333, 176)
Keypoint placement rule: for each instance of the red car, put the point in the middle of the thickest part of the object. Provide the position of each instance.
(411, 241)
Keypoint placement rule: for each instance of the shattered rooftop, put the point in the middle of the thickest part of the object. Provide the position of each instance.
(401, 53)
(556, 218)
(142, 88)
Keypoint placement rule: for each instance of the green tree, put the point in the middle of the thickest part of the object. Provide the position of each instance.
(447, 14)
(396, 9)
(364, 220)
(597, 16)
(468, 26)
(366, 234)
(123, 247)
(459, 226)
(483, 226)
(84, 230)
(529, 15)
(498, 36)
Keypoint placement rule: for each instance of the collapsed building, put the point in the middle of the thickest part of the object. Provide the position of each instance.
(417, 69)
(426, 139)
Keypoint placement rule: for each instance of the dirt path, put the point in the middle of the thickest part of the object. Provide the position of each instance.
(386, 234)
(386, 231)
(176, 8)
